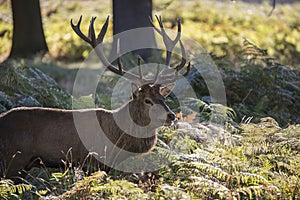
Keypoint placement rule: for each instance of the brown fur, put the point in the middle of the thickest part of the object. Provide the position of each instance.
(46, 132)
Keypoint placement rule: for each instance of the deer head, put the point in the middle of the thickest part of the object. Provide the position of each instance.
(149, 94)
(147, 109)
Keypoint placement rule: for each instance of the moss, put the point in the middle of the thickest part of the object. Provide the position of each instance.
(28, 86)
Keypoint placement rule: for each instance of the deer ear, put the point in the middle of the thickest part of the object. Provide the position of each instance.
(135, 90)
(166, 90)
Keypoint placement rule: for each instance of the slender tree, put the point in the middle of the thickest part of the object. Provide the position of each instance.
(28, 34)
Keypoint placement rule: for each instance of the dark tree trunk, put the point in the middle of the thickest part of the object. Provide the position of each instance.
(28, 34)
(133, 14)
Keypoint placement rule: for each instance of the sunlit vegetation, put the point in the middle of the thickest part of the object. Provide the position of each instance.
(220, 27)
(262, 87)
(249, 149)
(262, 161)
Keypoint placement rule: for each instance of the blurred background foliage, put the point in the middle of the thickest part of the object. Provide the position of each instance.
(217, 25)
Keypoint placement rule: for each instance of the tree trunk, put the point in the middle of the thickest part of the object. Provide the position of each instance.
(133, 14)
(28, 34)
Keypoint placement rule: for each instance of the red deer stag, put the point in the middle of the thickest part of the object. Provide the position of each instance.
(46, 132)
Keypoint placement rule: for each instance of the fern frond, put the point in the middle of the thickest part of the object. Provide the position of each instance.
(9, 189)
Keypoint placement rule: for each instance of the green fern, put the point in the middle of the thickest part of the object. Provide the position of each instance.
(8, 189)
(255, 55)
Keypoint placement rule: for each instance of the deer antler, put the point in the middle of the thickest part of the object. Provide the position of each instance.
(170, 44)
(97, 44)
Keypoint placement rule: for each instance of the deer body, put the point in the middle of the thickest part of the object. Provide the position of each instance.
(113, 134)
(46, 132)
(37, 132)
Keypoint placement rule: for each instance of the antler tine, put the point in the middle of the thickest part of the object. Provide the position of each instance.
(120, 65)
(102, 33)
(172, 75)
(183, 57)
(169, 43)
(152, 23)
(157, 74)
(140, 69)
(91, 34)
(188, 69)
(97, 45)
(173, 78)
(114, 69)
(77, 30)
(178, 31)
(91, 38)
(144, 80)
(161, 25)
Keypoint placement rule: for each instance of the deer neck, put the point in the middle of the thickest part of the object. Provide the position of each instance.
(127, 134)
(131, 118)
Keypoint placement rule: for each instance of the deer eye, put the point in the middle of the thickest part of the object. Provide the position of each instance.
(148, 101)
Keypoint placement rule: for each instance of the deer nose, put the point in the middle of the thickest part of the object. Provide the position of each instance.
(171, 116)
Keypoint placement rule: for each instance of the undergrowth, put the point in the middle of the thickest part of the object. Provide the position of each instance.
(257, 85)
(249, 157)
(263, 164)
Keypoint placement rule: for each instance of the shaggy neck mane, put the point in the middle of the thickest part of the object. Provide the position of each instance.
(129, 135)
